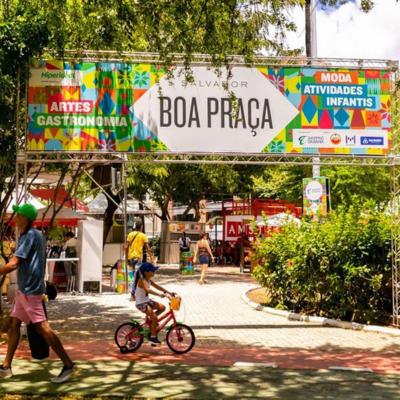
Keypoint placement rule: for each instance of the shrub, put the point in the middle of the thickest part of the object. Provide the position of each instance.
(337, 267)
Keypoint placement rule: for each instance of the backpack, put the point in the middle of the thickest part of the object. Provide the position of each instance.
(70, 252)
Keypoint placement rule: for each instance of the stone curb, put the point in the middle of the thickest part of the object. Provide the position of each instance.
(319, 320)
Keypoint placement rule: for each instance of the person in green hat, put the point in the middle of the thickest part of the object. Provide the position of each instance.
(30, 261)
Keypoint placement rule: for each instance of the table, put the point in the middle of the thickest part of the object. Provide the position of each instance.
(50, 268)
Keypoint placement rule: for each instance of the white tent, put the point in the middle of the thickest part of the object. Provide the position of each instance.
(99, 206)
(280, 219)
(30, 200)
(63, 214)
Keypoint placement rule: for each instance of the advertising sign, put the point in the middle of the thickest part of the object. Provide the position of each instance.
(234, 226)
(316, 196)
(117, 107)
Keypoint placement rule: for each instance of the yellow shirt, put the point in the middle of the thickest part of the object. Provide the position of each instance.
(137, 240)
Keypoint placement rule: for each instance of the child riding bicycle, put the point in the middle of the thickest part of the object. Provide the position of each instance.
(143, 303)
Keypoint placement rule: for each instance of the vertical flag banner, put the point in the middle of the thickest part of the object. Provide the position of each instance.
(316, 196)
(116, 107)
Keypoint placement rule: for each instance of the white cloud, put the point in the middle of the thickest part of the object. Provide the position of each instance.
(350, 33)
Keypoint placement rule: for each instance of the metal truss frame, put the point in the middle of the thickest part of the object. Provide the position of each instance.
(26, 159)
(209, 158)
(233, 60)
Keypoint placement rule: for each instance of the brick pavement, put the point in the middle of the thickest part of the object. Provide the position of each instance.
(227, 331)
(217, 314)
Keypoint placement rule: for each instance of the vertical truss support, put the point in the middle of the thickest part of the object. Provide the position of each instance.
(395, 176)
(395, 191)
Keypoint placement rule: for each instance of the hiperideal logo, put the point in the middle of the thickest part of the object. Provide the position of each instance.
(58, 75)
(335, 139)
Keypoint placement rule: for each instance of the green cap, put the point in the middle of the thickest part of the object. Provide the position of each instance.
(27, 210)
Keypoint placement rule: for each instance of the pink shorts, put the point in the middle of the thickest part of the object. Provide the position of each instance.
(28, 308)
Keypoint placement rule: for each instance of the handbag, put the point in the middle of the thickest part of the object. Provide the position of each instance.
(39, 347)
(175, 303)
(51, 291)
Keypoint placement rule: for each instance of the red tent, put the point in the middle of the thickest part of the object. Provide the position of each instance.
(65, 217)
(71, 202)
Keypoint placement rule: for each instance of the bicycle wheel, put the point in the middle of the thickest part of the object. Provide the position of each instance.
(127, 340)
(180, 339)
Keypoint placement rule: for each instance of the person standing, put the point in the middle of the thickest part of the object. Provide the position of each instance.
(30, 262)
(184, 243)
(70, 266)
(204, 252)
(135, 242)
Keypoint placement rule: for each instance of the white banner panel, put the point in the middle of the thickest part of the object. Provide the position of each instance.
(340, 138)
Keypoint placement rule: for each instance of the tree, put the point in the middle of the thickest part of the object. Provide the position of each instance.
(348, 184)
(218, 27)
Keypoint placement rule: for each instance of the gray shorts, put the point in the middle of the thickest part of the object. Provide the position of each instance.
(70, 268)
(143, 306)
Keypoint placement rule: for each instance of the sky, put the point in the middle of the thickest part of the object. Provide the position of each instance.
(347, 32)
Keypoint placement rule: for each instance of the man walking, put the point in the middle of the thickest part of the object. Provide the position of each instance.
(30, 261)
(135, 242)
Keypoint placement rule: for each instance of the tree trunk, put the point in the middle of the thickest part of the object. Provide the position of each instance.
(109, 214)
(164, 243)
(192, 204)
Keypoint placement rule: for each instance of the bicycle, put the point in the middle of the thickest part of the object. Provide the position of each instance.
(180, 338)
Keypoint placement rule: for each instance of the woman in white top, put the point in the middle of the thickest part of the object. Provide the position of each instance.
(144, 303)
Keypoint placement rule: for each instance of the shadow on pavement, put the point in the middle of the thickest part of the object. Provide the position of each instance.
(150, 380)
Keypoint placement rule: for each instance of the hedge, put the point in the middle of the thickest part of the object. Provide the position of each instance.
(338, 267)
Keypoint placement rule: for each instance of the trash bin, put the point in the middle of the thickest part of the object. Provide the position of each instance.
(186, 263)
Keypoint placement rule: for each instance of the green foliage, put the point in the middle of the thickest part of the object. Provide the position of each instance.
(365, 5)
(56, 233)
(155, 245)
(348, 184)
(188, 183)
(337, 267)
(355, 184)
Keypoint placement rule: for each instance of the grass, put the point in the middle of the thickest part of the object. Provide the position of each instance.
(67, 397)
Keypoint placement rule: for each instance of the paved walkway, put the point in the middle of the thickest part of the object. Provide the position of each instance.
(217, 314)
(227, 332)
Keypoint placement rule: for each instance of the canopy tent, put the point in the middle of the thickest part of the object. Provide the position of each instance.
(65, 217)
(30, 200)
(99, 205)
(279, 220)
(71, 202)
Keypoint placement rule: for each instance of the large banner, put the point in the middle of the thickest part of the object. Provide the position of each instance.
(117, 107)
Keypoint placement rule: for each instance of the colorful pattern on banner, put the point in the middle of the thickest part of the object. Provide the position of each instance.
(89, 107)
(316, 196)
(116, 107)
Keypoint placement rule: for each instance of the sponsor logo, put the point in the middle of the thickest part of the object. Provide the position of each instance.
(58, 75)
(371, 141)
(311, 140)
(350, 140)
(335, 139)
(314, 191)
